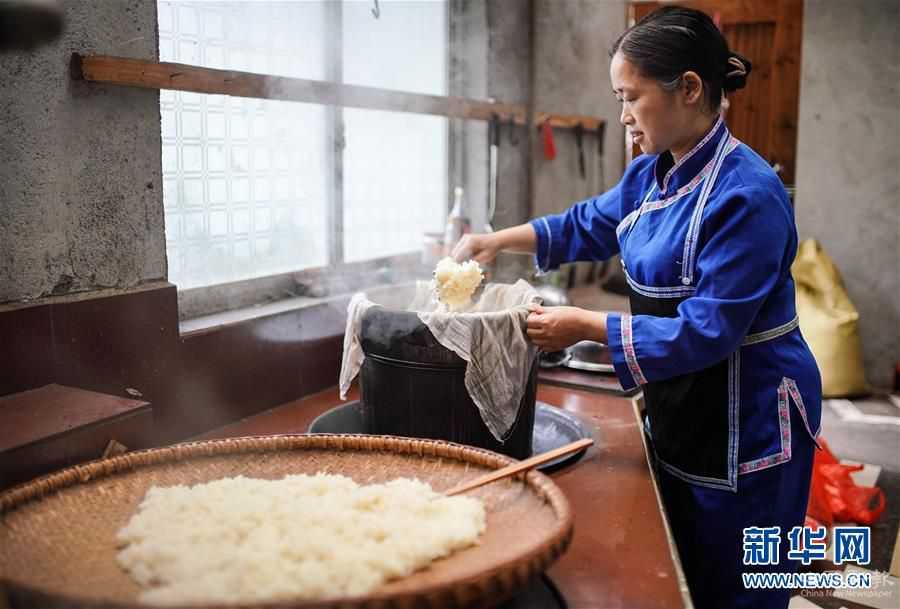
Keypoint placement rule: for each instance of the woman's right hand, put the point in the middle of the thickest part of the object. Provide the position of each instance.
(482, 248)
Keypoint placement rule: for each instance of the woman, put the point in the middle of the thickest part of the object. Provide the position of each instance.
(707, 237)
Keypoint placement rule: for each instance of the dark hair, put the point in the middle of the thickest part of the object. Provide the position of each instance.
(673, 40)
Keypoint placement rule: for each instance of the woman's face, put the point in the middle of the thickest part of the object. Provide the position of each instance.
(655, 118)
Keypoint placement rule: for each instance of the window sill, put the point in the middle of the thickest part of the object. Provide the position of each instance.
(209, 323)
(213, 305)
(206, 323)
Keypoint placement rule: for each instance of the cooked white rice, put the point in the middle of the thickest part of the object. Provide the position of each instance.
(455, 283)
(312, 537)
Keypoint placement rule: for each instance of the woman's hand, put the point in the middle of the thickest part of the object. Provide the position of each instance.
(485, 247)
(482, 248)
(555, 328)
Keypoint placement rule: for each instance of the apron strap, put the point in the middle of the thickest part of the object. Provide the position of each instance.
(629, 221)
(693, 232)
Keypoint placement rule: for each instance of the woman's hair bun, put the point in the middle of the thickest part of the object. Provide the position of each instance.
(737, 69)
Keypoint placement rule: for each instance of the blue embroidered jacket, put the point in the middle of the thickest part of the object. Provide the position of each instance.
(716, 228)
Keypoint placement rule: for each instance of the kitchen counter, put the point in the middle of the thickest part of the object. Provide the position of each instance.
(620, 556)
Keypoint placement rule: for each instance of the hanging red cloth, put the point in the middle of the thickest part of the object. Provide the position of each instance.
(549, 144)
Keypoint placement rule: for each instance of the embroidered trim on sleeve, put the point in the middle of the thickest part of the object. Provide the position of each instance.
(628, 348)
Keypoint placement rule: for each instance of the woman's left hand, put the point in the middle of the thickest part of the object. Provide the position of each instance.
(555, 328)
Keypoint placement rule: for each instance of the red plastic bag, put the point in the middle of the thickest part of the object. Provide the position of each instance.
(833, 496)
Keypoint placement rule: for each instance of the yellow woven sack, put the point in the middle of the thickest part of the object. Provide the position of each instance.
(829, 321)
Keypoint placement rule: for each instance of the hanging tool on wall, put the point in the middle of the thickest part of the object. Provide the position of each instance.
(601, 175)
(598, 186)
(599, 134)
(513, 133)
(578, 130)
(547, 136)
(493, 169)
(579, 141)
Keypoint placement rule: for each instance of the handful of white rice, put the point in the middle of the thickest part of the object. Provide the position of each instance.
(455, 283)
(311, 537)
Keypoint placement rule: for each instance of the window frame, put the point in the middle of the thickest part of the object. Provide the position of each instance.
(338, 276)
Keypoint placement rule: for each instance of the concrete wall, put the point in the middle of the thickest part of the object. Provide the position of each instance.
(468, 78)
(572, 41)
(80, 169)
(552, 56)
(509, 79)
(491, 58)
(848, 168)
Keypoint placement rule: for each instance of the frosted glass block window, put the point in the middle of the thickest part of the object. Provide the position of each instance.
(404, 49)
(389, 204)
(284, 38)
(249, 185)
(222, 224)
(224, 221)
(395, 165)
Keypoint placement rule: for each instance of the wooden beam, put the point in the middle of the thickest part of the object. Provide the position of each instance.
(181, 77)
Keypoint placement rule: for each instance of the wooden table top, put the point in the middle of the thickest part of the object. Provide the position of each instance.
(620, 556)
(54, 410)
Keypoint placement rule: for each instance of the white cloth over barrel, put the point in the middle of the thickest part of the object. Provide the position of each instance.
(489, 335)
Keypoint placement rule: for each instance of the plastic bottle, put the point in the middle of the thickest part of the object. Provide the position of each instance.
(457, 222)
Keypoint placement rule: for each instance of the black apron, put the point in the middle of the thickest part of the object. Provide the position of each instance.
(688, 414)
(692, 417)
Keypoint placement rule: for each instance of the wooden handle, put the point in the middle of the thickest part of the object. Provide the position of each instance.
(521, 466)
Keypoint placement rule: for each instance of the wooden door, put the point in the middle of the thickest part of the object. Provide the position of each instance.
(763, 114)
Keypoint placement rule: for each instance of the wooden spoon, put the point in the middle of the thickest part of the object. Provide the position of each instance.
(515, 468)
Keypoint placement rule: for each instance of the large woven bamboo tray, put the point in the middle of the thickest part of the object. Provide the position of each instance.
(57, 533)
